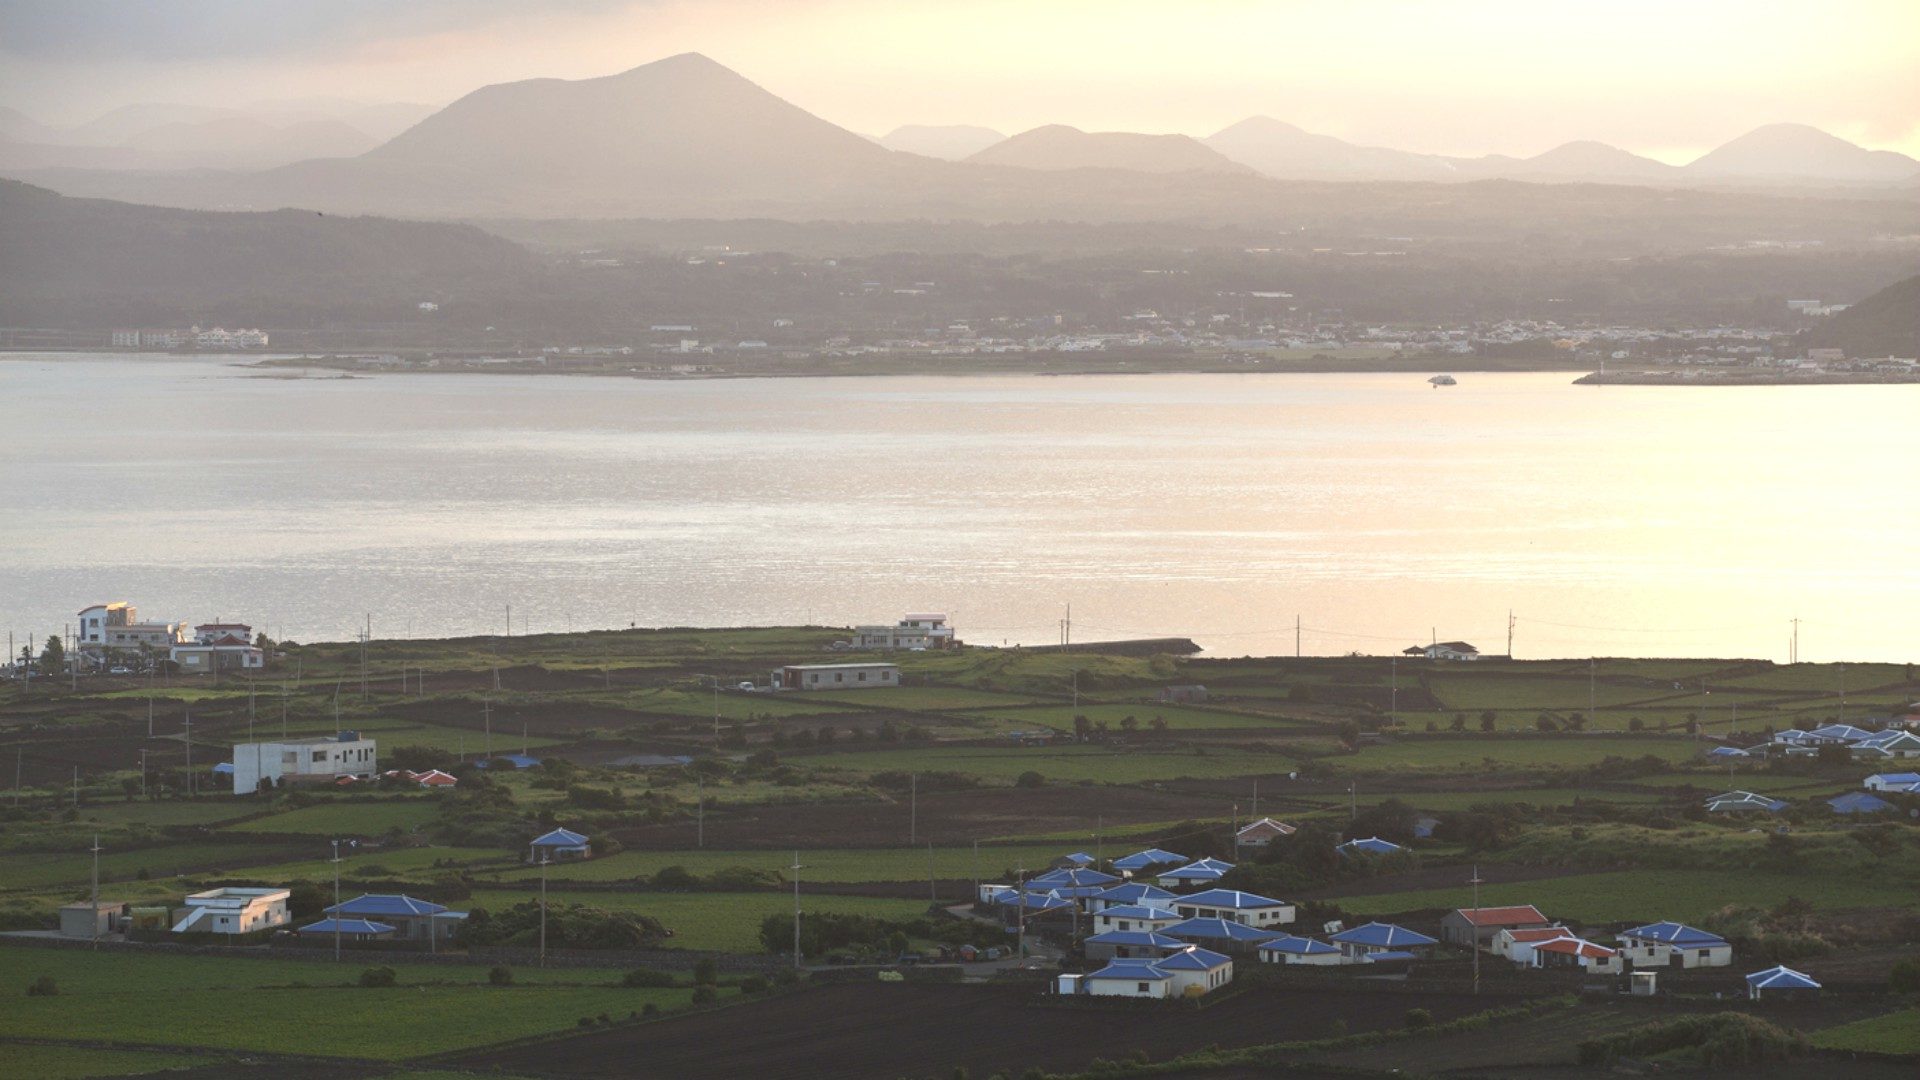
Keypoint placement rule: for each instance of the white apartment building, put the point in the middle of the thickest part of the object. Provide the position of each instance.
(233, 911)
(116, 627)
(321, 759)
(922, 630)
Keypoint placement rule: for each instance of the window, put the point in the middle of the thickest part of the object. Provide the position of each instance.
(1143, 987)
(863, 676)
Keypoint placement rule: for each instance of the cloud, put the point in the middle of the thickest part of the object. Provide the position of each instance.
(190, 30)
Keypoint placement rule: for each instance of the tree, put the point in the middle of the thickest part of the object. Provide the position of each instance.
(1636, 724)
(1081, 727)
(1158, 723)
(1459, 721)
(1128, 723)
(1487, 719)
(499, 976)
(1545, 723)
(1576, 721)
(130, 787)
(53, 658)
(1030, 779)
(705, 973)
(376, 977)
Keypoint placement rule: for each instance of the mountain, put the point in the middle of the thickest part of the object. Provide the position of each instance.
(1884, 324)
(1585, 159)
(1796, 151)
(115, 127)
(949, 142)
(244, 142)
(1281, 150)
(17, 125)
(1058, 146)
(91, 262)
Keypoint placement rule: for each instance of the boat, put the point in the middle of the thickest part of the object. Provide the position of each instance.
(1439, 381)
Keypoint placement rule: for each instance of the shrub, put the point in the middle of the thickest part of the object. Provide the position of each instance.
(500, 976)
(705, 973)
(1418, 1019)
(1030, 779)
(703, 994)
(754, 984)
(1905, 976)
(44, 986)
(377, 977)
(642, 977)
(650, 1009)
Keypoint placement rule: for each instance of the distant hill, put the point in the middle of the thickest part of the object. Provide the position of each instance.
(950, 142)
(1284, 151)
(1884, 324)
(1058, 146)
(1786, 151)
(90, 262)
(1585, 159)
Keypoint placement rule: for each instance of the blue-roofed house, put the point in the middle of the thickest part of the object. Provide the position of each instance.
(1251, 909)
(1371, 845)
(1197, 873)
(1133, 892)
(1735, 802)
(1078, 858)
(1141, 860)
(518, 761)
(1196, 970)
(1780, 982)
(558, 844)
(1660, 944)
(1838, 733)
(1222, 934)
(1300, 950)
(411, 919)
(1134, 917)
(1034, 907)
(1728, 752)
(1363, 942)
(1072, 877)
(1859, 802)
(350, 929)
(1907, 782)
(1130, 978)
(1891, 743)
(1130, 945)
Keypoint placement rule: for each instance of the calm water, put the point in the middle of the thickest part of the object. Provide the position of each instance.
(1615, 520)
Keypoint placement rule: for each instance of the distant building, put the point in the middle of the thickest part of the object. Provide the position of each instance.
(558, 844)
(323, 759)
(233, 911)
(1183, 695)
(835, 676)
(115, 627)
(1261, 833)
(915, 631)
(1444, 650)
(1660, 944)
(87, 919)
(1733, 802)
(1477, 926)
(411, 920)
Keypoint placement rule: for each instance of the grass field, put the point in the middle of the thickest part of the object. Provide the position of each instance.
(1471, 692)
(346, 817)
(835, 865)
(43, 1062)
(1057, 763)
(1894, 1033)
(407, 864)
(921, 698)
(711, 922)
(38, 871)
(1822, 678)
(1178, 718)
(1569, 751)
(1647, 895)
(147, 999)
(200, 811)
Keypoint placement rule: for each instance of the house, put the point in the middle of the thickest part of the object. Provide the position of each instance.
(1260, 833)
(233, 911)
(518, 761)
(1859, 802)
(1199, 872)
(1073, 878)
(1129, 978)
(1130, 894)
(1777, 983)
(1517, 944)
(350, 929)
(1371, 845)
(1844, 734)
(1908, 782)
(1727, 753)
(1444, 650)
(643, 761)
(1078, 858)
(1376, 937)
(557, 845)
(1731, 802)
(115, 628)
(321, 759)
(1017, 907)
(835, 676)
(410, 919)
(1196, 971)
(1891, 743)
(1216, 933)
(86, 919)
(1248, 909)
(915, 630)
(1660, 944)
(1573, 952)
(1130, 917)
(1141, 860)
(432, 778)
(1423, 827)
(1183, 695)
(1477, 926)
(1300, 950)
(1130, 945)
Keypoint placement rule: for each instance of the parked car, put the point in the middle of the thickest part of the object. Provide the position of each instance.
(747, 686)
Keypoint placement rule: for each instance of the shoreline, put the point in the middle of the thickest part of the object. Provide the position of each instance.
(1748, 378)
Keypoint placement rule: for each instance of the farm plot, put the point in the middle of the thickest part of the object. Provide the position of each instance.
(1058, 763)
(1894, 1033)
(839, 865)
(380, 864)
(346, 817)
(1473, 692)
(46, 1062)
(449, 740)
(1174, 717)
(1823, 678)
(830, 1031)
(1564, 751)
(1647, 895)
(711, 922)
(38, 870)
(201, 811)
(922, 698)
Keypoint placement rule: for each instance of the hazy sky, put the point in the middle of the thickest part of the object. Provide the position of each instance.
(1664, 77)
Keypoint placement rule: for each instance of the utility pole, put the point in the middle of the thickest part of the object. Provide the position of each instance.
(336, 901)
(1473, 929)
(366, 638)
(1353, 802)
(913, 806)
(143, 773)
(796, 868)
(699, 812)
(1020, 914)
(933, 897)
(76, 785)
(1593, 665)
(1509, 633)
(1255, 815)
(543, 909)
(486, 721)
(976, 855)
(96, 890)
(1296, 637)
(1793, 649)
(189, 740)
(1393, 686)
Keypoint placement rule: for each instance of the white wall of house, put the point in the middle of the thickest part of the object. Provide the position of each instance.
(1150, 988)
(1277, 915)
(1205, 980)
(319, 760)
(1655, 954)
(1104, 923)
(1275, 956)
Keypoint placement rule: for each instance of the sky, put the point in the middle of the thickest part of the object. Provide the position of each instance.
(1670, 79)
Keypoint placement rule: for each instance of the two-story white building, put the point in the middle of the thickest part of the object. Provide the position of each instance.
(917, 630)
(233, 911)
(322, 759)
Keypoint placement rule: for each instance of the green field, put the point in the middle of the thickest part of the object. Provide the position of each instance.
(407, 864)
(449, 740)
(134, 1002)
(920, 698)
(1567, 751)
(39, 871)
(198, 811)
(1646, 895)
(1177, 717)
(46, 1062)
(346, 817)
(1058, 763)
(1894, 1033)
(711, 922)
(834, 865)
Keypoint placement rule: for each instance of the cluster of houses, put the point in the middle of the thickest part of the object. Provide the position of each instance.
(1162, 927)
(1865, 801)
(1863, 744)
(111, 636)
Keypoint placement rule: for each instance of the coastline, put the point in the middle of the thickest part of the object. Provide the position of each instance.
(1710, 377)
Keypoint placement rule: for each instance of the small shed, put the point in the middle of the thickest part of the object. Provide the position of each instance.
(1780, 983)
(85, 919)
(558, 844)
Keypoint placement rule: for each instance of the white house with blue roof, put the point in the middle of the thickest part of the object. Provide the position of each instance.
(1196, 970)
(1660, 944)
(1223, 934)
(1131, 893)
(1196, 873)
(1130, 945)
(1736, 802)
(1133, 917)
(1077, 877)
(1300, 950)
(1780, 982)
(1376, 939)
(1250, 909)
(411, 919)
(558, 844)
(1369, 845)
(349, 929)
(1903, 782)
(1129, 978)
(1151, 857)
(1859, 802)
(1891, 743)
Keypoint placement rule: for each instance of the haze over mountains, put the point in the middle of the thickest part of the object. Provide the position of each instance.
(686, 136)
(158, 135)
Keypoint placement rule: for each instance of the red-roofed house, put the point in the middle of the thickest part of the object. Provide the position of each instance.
(1517, 945)
(1573, 952)
(1476, 926)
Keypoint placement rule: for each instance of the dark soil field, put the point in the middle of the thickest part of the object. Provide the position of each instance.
(886, 1031)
